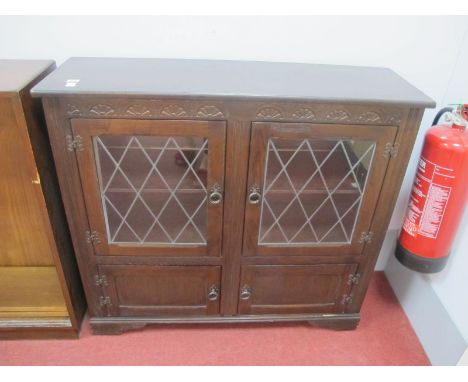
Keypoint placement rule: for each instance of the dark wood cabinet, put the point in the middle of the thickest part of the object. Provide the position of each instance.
(312, 180)
(224, 191)
(40, 289)
(168, 290)
(289, 289)
(148, 185)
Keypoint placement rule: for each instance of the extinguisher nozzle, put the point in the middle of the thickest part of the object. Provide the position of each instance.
(418, 263)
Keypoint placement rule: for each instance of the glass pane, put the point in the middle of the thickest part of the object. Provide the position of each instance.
(153, 189)
(313, 190)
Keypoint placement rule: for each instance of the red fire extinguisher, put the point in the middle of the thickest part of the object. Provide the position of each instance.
(439, 195)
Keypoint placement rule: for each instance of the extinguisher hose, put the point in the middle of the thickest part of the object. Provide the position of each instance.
(440, 113)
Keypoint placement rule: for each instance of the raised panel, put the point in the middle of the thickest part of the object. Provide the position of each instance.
(294, 289)
(161, 290)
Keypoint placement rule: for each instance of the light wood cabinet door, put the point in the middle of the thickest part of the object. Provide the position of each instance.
(24, 222)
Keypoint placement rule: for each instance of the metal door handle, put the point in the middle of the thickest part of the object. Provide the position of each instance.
(245, 292)
(216, 194)
(213, 293)
(254, 195)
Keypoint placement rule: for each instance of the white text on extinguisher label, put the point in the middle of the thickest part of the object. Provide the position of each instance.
(429, 198)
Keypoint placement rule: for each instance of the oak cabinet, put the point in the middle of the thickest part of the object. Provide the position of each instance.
(40, 290)
(289, 289)
(153, 185)
(168, 290)
(224, 191)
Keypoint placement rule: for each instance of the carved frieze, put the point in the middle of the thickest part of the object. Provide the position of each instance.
(338, 115)
(329, 114)
(73, 110)
(269, 113)
(138, 111)
(101, 110)
(304, 113)
(209, 111)
(393, 119)
(174, 111)
(369, 117)
(255, 111)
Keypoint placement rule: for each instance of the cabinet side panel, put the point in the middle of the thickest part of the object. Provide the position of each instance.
(59, 235)
(388, 195)
(58, 127)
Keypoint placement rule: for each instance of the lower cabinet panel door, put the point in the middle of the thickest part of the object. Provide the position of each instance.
(294, 289)
(161, 290)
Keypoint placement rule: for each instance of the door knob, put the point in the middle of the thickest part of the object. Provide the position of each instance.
(245, 292)
(216, 194)
(254, 195)
(213, 293)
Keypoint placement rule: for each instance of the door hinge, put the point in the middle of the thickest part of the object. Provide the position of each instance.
(391, 150)
(75, 143)
(100, 280)
(104, 300)
(347, 299)
(92, 237)
(353, 278)
(366, 237)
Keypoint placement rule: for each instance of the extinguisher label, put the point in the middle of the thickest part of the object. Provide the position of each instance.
(429, 199)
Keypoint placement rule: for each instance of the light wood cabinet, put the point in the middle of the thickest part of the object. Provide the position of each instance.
(40, 291)
(224, 191)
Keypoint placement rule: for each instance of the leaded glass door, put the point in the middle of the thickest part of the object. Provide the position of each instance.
(312, 188)
(152, 187)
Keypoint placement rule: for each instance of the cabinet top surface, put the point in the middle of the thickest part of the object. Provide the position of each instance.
(230, 79)
(15, 75)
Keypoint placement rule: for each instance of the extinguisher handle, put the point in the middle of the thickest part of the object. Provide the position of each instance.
(440, 113)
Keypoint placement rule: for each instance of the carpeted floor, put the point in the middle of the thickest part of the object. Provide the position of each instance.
(384, 337)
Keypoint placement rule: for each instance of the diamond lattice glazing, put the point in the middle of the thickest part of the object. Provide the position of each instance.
(153, 189)
(313, 190)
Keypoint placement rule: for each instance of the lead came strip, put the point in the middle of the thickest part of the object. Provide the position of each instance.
(135, 144)
(330, 194)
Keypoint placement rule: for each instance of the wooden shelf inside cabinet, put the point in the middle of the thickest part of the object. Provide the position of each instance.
(40, 291)
(27, 292)
(209, 199)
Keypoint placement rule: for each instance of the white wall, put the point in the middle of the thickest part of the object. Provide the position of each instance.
(451, 285)
(427, 51)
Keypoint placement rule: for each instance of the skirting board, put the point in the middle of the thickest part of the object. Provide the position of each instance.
(464, 359)
(440, 338)
(388, 247)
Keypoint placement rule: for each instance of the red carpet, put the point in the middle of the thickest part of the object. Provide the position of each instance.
(384, 337)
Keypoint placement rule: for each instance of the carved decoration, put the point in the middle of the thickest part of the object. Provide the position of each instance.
(269, 113)
(337, 115)
(73, 110)
(209, 111)
(101, 110)
(291, 111)
(138, 111)
(304, 113)
(319, 113)
(369, 117)
(393, 119)
(174, 111)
